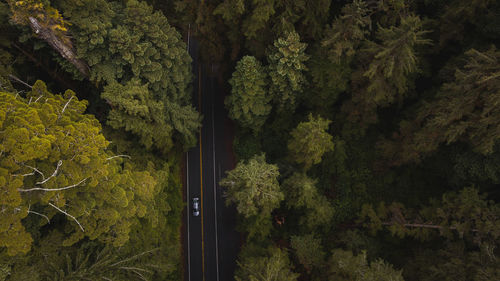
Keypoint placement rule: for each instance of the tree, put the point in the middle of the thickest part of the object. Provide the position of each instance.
(272, 266)
(253, 186)
(346, 266)
(55, 163)
(310, 140)
(308, 250)
(302, 194)
(347, 32)
(286, 66)
(464, 110)
(467, 214)
(249, 101)
(143, 64)
(394, 59)
(48, 24)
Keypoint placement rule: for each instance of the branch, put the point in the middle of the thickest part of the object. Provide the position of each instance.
(42, 215)
(54, 206)
(53, 174)
(36, 170)
(52, 189)
(65, 50)
(122, 155)
(14, 78)
(423, 225)
(66, 105)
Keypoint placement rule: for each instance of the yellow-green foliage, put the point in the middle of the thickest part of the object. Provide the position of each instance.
(54, 155)
(41, 10)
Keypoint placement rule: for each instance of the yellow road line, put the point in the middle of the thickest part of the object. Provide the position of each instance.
(201, 180)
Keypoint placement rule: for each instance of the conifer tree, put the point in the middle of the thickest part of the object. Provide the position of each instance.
(394, 59)
(310, 140)
(308, 250)
(467, 214)
(143, 64)
(346, 33)
(273, 265)
(346, 266)
(253, 186)
(464, 110)
(55, 163)
(286, 69)
(302, 194)
(249, 101)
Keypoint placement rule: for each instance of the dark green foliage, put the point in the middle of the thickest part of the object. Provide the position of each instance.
(249, 102)
(271, 265)
(308, 250)
(346, 266)
(464, 110)
(466, 214)
(347, 32)
(394, 59)
(143, 63)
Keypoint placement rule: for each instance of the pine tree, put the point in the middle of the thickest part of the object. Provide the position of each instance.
(144, 66)
(346, 266)
(310, 140)
(286, 69)
(308, 250)
(394, 59)
(249, 101)
(302, 194)
(55, 163)
(272, 266)
(464, 110)
(467, 214)
(253, 187)
(346, 33)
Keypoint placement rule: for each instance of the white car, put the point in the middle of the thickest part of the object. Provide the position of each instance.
(196, 206)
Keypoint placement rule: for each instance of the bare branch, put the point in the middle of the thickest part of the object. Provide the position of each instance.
(52, 189)
(63, 48)
(53, 174)
(54, 206)
(135, 257)
(42, 215)
(121, 155)
(14, 78)
(36, 170)
(66, 105)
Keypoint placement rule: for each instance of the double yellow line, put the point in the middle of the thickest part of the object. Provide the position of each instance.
(201, 179)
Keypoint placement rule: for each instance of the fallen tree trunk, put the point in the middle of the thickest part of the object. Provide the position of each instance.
(65, 50)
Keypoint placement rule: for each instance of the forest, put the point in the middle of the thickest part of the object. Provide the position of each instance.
(367, 137)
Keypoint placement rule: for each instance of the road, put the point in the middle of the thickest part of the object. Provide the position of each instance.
(211, 242)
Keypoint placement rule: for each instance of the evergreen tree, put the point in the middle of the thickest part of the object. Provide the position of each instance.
(54, 162)
(394, 59)
(310, 140)
(302, 194)
(308, 250)
(249, 101)
(467, 214)
(346, 266)
(347, 32)
(144, 65)
(272, 266)
(286, 66)
(464, 110)
(253, 186)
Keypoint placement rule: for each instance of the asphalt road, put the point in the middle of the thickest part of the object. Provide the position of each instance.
(212, 243)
